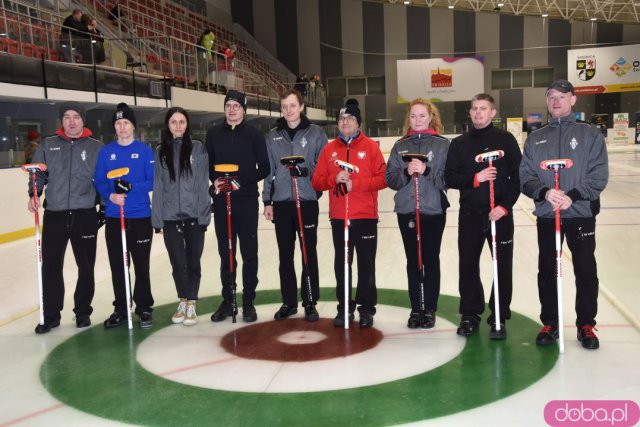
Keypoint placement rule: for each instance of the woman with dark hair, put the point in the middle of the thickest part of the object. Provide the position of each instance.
(422, 138)
(181, 207)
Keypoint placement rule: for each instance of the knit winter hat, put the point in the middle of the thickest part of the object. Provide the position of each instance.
(73, 106)
(239, 97)
(123, 111)
(351, 108)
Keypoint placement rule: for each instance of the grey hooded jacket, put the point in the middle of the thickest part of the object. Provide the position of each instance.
(188, 195)
(566, 138)
(308, 142)
(71, 164)
(432, 189)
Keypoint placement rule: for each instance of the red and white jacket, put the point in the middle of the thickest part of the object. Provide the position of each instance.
(364, 153)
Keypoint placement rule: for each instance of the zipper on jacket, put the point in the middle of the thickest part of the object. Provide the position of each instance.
(70, 174)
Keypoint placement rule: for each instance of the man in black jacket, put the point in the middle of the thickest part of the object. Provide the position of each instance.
(474, 223)
(236, 142)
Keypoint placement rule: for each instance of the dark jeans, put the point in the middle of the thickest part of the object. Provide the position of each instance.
(139, 234)
(80, 226)
(285, 218)
(432, 228)
(244, 227)
(581, 239)
(474, 229)
(184, 241)
(363, 238)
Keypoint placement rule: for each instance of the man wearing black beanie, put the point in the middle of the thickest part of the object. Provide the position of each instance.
(238, 143)
(70, 214)
(360, 188)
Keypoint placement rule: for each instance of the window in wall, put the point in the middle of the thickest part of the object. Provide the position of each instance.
(521, 78)
(542, 77)
(337, 87)
(375, 85)
(501, 79)
(349, 86)
(357, 86)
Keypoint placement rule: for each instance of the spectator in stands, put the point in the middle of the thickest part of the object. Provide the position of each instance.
(72, 29)
(114, 13)
(302, 82)
(29, 148)
(97, 40)
(205, 52)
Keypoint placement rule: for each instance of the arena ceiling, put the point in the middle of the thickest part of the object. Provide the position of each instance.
(614, 11)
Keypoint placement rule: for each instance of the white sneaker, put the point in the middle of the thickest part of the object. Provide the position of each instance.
(190, 317)
(178, 316)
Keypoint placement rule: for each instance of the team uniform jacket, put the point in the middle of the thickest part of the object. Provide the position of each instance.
(566, 138)
(71, 164)
(432, 196)
(242, 145)
(188, 195)
(307, 142)
(364, 153)
(462, 168)
(138, 157)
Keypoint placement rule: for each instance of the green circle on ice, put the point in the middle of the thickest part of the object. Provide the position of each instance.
(96, 371)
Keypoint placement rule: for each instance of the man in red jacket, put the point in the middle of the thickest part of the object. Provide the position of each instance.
(361, 186)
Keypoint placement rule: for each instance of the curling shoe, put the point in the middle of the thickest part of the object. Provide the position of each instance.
(311, 314)
(547, 335)
(249, 313)
(181, 311)
(588, 338)
(47, 326)
(284, 312)
(190, 317)
(467, 327)
(495, 334)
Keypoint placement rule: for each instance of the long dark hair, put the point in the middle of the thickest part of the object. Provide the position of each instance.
(166, 148)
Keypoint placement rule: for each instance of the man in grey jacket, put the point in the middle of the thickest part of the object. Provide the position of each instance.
(578, 200)
(70, 214)
(294, 135)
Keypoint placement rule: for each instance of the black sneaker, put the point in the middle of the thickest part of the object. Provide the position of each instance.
(284, 312)
(47, 326)
(115, 320)
(224, 310)
(547, 335)
(414, 320)
(146, 320)
(429, 320)
(311, 314)
(249, 313)
(495, 334)
(83, 322)
(467, 328)
(366, 320)
(588, 338)
(339, 319)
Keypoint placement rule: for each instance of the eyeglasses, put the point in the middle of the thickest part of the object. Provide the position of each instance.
(232, 107)
(347, 119)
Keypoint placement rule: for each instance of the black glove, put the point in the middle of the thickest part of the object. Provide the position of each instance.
(227, 185)
(122, 186)
(102, 220)
(203, 228)
(157, 230)
(341, 189)
(298, 171)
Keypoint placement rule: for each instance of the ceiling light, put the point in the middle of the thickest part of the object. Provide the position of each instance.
(450, 6)
(545, 14)
(500, 4)
(593, 19)
(407, 1)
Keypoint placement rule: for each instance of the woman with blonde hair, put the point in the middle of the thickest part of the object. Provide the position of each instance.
(420, 156)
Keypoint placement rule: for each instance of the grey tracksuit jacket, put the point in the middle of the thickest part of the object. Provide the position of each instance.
(187, 196)
(432, 189)
(308, 142)
(566, 138)
(71, 164)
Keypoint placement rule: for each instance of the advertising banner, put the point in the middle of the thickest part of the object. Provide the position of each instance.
(514, 127)
(441, 79)
(604, 69)
(534, 121)
(620, 128)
